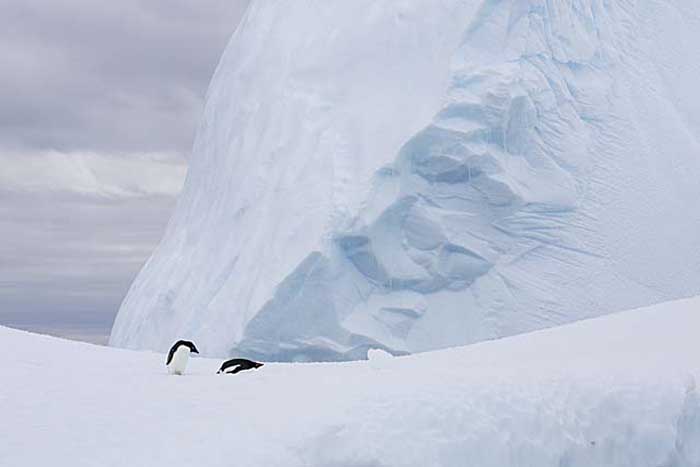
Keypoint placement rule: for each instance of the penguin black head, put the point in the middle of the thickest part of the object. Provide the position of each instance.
(190, 345)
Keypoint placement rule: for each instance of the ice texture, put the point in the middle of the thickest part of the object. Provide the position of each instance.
(415, 175)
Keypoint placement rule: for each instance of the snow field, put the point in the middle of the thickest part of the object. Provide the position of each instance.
(614, 391)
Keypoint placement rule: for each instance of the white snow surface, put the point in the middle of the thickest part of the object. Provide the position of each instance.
(415, 175)
(379, 359)
(619, 390)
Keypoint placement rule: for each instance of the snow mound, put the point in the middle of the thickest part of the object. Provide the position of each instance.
(379, 359)
(418, 175)
(616, 391)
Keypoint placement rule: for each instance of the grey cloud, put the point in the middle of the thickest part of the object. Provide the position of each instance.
(71, 252)
(67, 262)
(91, 92)
(108, 76)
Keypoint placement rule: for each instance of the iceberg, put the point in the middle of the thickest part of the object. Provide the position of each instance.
(416, 175)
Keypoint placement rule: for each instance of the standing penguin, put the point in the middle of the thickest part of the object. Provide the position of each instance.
(178, 356)
(231, 367)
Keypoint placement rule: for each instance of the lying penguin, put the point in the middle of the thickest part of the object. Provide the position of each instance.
(233, 366)
(178, 356)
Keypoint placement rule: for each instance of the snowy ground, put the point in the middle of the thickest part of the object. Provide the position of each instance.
(614, 391)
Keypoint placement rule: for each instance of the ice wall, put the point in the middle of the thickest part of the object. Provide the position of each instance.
(420, 174)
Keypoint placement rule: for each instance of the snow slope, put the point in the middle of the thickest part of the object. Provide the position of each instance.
(420, 174)
(613, 391)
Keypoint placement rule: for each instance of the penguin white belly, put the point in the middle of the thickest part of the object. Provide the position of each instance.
(179, 362)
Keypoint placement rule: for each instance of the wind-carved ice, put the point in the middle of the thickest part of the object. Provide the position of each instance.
(417, 175)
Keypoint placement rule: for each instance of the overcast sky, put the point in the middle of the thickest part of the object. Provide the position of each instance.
(99, 102)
